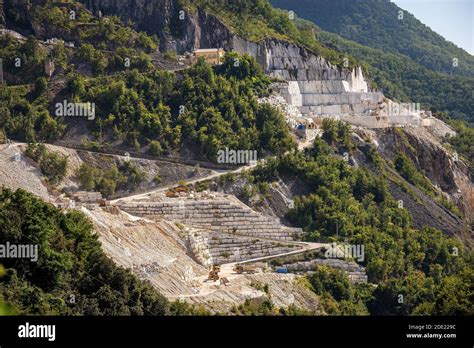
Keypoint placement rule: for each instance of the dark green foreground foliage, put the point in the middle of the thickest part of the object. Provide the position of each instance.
(73, 276)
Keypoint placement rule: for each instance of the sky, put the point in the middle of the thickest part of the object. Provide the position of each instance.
(452, 19)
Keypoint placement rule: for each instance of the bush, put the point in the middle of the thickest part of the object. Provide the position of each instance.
(155, 148)
(108, 181)
(41, 85)
(52, 165)
(408, 171)
(157, 179)
(87, 176)
(171, 55)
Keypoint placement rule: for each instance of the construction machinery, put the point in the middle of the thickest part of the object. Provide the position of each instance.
(249, 269)
(177, 191)
(281, 270)
(214, 273)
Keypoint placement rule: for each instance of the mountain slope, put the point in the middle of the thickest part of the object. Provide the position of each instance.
(402, 79)
(141, 107)
(376, 23)
(422, 72)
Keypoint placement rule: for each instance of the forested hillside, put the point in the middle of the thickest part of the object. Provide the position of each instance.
(378, 24)
(197, 109)
(205, 108)
(402, 79)
(355, 205)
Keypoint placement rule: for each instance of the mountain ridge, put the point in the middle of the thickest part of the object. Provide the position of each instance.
(382, 24)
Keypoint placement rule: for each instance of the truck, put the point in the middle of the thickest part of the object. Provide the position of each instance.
(249, 269)
(301, 131)
(282, 270)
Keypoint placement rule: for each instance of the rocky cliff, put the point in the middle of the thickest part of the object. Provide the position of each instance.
(313, 85)
(178, 31)
(445, 170)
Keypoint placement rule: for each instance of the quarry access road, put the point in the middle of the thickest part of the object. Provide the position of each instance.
(123, 154)
(227, 271)
(227, 268)
(218, 173)
(190, 182)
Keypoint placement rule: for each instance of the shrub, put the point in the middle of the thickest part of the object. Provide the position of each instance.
(108, 181)
(171, 56)
(41, 85)
(155, 148)
(157, 179)
(52, 165)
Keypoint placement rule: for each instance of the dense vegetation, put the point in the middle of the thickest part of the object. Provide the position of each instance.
(402, 79)
(52, 165)
(406, 168)
(108, 181)
(208, 108)
(463, 141)
(72, 275)
(338, 295)
(204, 108)
(354, 206)
(376, 23)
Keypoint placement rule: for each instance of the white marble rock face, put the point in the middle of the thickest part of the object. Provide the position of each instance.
(317, 87)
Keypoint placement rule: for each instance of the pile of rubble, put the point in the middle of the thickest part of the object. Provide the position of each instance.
(355, 272)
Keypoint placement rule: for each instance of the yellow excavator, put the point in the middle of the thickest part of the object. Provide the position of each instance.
(214, 273)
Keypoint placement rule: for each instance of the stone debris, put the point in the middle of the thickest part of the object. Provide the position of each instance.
(152, 250)
(87, 197)
(147, 269)
(156, 251)
(355, 272)
(18, 172)
(216, 248)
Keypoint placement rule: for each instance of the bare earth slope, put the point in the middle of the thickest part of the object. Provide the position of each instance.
(157, 251)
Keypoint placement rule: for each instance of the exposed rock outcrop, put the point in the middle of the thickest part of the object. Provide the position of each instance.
(448, 173)
(313, 85)
(156, 251)
(355, 272)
